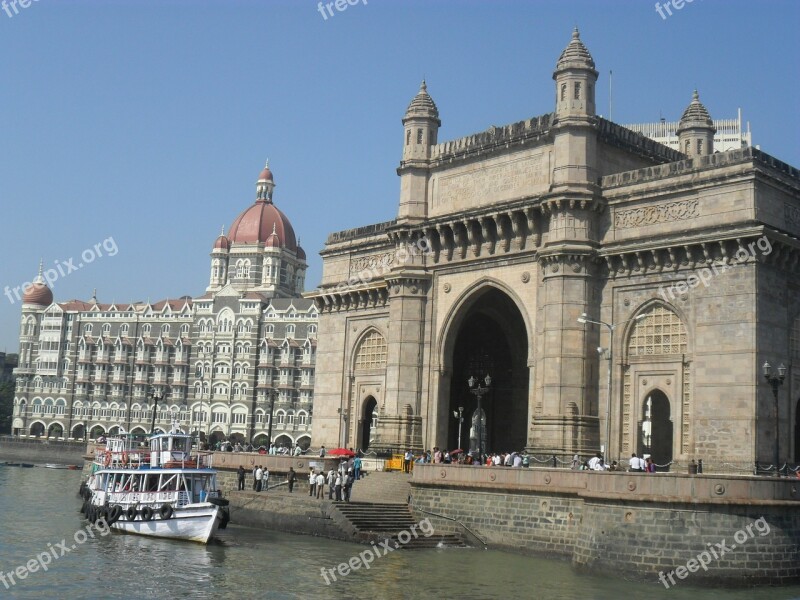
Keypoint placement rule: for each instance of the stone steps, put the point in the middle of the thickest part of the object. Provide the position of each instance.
(376, 522)
(382, 488)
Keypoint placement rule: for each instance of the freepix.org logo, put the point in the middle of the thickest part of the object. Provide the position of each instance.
(11, 7)
(62, 268)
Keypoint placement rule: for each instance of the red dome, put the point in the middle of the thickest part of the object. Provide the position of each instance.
(266, 175)
(222, 243)
(38, 293)
(257, 224)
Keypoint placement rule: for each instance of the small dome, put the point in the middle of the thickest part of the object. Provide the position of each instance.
(222, 243)
(423, 105)
(695, 116)
(273, 241)
(266, 174)
(575, 55)
(38, 293)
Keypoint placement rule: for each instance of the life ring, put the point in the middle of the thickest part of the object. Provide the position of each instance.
(130, 513)
(147, 514)
(107, 460)
(166, 511)
(114, 514)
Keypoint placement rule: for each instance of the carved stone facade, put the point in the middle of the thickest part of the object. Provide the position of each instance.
(684, 265)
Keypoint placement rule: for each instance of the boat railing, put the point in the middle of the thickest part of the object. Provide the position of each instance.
(127, 498)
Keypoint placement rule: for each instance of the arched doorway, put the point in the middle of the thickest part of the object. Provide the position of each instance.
(215, 437)
(369, 419)
(490, 339)
(55, 430)
(78, 432)
(283, 441)
(97, 431)
(655, 429)
(37, 429)
(237, 438)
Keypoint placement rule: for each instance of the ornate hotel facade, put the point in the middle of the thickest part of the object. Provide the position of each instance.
(681, 264)
(219, 364)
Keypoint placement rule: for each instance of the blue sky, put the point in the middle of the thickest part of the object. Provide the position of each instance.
(149, 121)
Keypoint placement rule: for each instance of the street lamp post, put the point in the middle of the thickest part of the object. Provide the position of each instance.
(609, 356)
(155, 396)
(475, 388)
(460, 416)
(776, 381)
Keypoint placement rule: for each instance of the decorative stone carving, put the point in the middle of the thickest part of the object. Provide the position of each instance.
(371, 262)
(792, 214)
(447, 287)
(526, 277)
(650, 215)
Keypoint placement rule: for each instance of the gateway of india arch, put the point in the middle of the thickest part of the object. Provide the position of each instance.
(614, 289)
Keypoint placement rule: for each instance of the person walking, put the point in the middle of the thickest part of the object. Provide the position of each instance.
(291, 477)
(266, 479)
(259, 478)
(322, 452)
(320, 485)
(240, 476)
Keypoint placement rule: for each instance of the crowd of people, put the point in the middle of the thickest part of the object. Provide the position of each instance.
(339, 481)
(598, 463)
(273, 449)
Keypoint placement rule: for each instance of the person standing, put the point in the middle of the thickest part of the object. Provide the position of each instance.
(312, 483)
(291, 478)
(357, 468)
(240, 476)
(331, 482)
(409, 457)
(348, 485)
(338, 486)
(255, 468)
(636, 463)
(266, 479)
(322, 452)
(649, 465)
(259, 478)
(320, 485)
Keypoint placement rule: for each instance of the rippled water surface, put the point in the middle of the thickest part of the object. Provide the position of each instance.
(39, 509)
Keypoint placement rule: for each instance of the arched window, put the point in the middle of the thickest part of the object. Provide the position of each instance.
(146, 330)
(165, 330)
(660, 332)
(106, 329)
(371, 353)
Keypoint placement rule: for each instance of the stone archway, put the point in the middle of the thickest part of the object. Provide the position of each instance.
(656, 428)
(489, 337)
(368, 422)
(55, 430)
(37, 429)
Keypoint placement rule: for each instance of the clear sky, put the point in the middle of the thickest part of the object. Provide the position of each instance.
(147, 122)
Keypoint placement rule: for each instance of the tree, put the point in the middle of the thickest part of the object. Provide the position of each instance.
(6, 406)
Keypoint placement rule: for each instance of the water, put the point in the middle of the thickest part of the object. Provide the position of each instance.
(39, 508)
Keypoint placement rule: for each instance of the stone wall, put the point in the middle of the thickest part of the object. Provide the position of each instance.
(35, 451)
(631, 523)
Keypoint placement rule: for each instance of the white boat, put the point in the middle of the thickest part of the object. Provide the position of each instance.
(161, 492)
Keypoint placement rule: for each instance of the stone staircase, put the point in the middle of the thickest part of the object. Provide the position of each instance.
(376, 522)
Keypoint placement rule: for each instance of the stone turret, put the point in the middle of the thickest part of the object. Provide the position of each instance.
(696, 129)
(420, 132)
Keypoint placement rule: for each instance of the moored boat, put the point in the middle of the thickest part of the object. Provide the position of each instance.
(162, 491)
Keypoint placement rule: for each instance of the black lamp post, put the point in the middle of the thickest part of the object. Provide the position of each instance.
(459, 416)
(475, 388)
(155, 396)
(272, 393)
(776, 382)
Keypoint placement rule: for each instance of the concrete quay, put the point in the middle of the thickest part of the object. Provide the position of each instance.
(635, 524)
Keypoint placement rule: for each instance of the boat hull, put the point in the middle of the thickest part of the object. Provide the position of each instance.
(195, 523)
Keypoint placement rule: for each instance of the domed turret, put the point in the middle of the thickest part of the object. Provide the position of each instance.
(257, 224)
(222, 242)
(575, 78)
(38, 292)
(696, 129)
